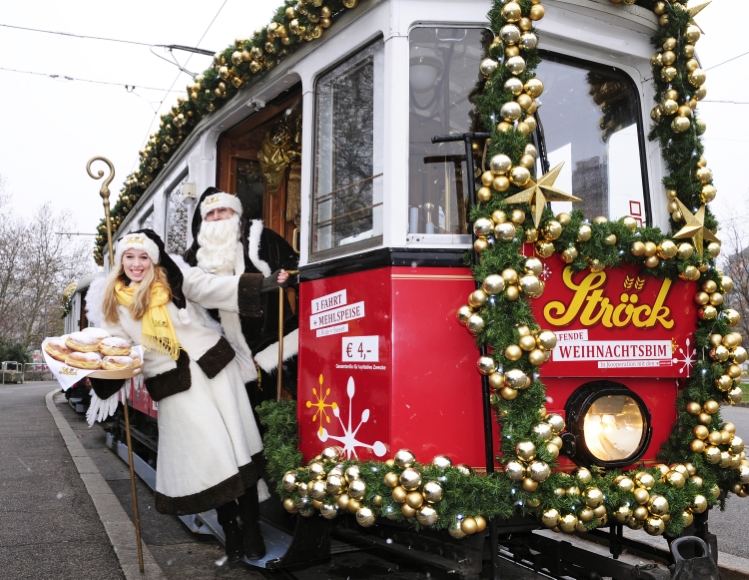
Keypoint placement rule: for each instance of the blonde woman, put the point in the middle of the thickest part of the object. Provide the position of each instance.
(207, 432)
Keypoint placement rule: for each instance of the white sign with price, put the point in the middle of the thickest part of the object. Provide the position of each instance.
(361, 349)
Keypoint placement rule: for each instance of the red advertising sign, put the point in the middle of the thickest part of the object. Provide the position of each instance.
(616, 323)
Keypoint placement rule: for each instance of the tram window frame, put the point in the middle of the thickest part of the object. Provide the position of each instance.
(146, 222)
(174, 195)
(419, 215)
(374, 51)
(593, 67)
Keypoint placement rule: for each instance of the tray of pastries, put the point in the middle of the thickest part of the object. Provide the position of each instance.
(94, 349)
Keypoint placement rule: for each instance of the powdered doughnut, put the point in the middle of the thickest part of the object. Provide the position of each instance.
(84, 360)
(113, 346)
(82, 342)
(99, 333)
(116, 363)
(57, 349)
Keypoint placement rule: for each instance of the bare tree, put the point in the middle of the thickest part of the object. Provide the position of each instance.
(36, 264)
(736, 265)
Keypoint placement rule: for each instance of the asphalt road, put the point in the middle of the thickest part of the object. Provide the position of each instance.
(730, 525)
(50, 528)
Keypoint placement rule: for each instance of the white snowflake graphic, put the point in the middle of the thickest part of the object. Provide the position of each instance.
(546, 272)
(687, 358)
(349, 441)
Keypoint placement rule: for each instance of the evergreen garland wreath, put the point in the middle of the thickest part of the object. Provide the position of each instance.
(701, 459)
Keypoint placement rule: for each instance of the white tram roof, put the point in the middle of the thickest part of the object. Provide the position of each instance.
(595, 30)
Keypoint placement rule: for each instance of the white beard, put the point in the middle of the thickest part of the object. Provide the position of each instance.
(218, 246)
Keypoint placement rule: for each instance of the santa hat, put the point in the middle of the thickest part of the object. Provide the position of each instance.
(150, 242)
(219, 200)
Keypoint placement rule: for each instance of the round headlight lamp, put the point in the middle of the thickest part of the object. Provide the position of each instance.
(607, 425)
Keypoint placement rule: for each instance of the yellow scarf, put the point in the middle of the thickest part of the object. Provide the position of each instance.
(157, 332)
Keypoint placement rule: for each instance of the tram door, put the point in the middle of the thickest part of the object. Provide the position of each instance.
(259, 160)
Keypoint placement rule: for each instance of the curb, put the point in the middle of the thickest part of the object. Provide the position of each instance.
(117, 524)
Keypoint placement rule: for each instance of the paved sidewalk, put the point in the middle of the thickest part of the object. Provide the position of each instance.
(50, 526)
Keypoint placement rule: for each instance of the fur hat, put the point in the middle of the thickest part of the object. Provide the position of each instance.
(150, 242)
(219, 200)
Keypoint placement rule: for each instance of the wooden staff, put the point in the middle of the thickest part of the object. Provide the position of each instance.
(104, 192)
(281, 296)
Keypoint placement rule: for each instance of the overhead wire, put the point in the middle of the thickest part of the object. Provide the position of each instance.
(70, 34)
(174, 82)
(129, 87)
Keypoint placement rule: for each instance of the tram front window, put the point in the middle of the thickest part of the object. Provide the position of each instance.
(589, 119)
(443, 73)
(347, 203)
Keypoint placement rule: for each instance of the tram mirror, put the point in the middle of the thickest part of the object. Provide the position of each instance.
(610, 424)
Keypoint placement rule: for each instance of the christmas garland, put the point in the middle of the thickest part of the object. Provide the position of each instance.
(295, 23)
(702, 458)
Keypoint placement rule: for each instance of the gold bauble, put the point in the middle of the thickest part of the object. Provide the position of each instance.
(486, 366)
(455, 530)
(468, 526)
(583, 475)
(737, 444)
(641, 495)
(343, 501)
(550, 518)
(655, 526)
(480, 245)
(512, 293)
(289, 506)
(496, 381)
(704, 418)
(399, 494)
(552, 450)
(697, 445)
(414, 500)
(568, 523)
(537, 12)
(712, 406)
(404, 458)
(510, 34)
(733, 371)
(464, 469)
(543, 431)
(289, 481)
(701, 432)
(408, 511)
(515, 86)
(432, 491)
(531, 286)
(707, 313)
(584, 233)
(513, 352)
(593, 497)
(728, 426)
(726, 284)
(531, 235)
(333, 484)
(573, 491)
(516, 65)
(624, 484)
(716, 299)
(316, 470)
(464, 313)
(488, 66)
(475, 323)
(514, 470)
(527, 342)
(545, 249)
(410, 479)
(508, 393)
(676, 479)
(511, 111)
(511, 12)
(520, 175)
(518, 216)
(667, 250)
(516, 379)
(526, 451)
(539, 471)
(693, 408)
(505, 231)
(427, 516)
(645, 480)
(699, 504)
(500, 164)
(623, 514)
(730, 340)
(552, 230)
(724, 383)
(329, 511)
(712, 454)
(317, 489)
(658, 505)
(477, 298)
(529, 485)
(546, 339)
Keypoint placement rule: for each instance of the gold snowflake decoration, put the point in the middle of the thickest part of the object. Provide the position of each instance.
(321, 406)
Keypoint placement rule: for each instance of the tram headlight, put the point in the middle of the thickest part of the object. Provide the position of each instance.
(607, 424)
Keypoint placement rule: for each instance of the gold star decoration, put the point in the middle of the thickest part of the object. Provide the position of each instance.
(540, 192)
(695, 11)
(695, 228)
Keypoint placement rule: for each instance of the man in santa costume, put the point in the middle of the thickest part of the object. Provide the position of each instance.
(226, 244)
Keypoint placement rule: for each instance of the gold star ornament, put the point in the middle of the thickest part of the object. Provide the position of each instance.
(539, 193)
(694, 11)
(695, 228)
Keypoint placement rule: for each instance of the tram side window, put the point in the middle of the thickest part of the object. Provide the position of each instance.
(589, 118)
(176, 222)
(443, 78)
(347, 203)
(146, 222)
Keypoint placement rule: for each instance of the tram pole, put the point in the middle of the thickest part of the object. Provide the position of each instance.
(281, 296)
(468, 139)
(104, 192)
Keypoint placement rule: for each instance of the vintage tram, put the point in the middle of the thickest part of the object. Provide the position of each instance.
(390, 139)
